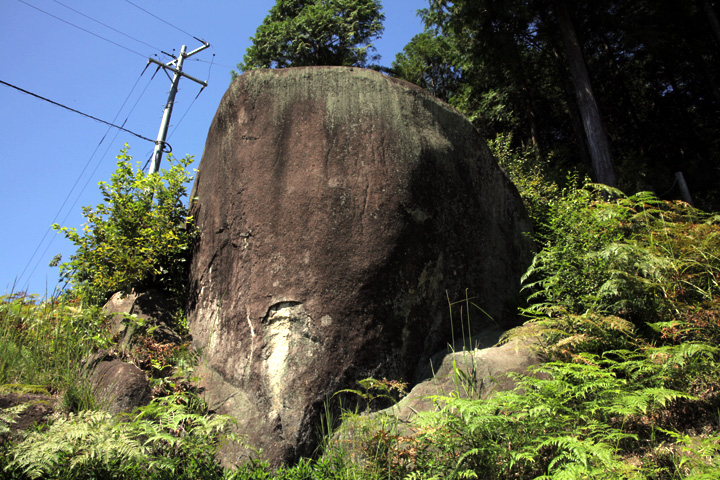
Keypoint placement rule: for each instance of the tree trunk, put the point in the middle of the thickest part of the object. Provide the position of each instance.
(711, 18)
(597, 139)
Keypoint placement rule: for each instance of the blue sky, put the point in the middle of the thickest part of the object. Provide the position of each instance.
(52, 159)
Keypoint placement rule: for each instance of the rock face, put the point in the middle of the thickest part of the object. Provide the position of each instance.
(337, 207)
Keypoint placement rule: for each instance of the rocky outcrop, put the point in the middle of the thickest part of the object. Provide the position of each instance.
(37, 412)
(339, 209)
(477, 370)
(119, 387)
(468, 374)
(152, 309)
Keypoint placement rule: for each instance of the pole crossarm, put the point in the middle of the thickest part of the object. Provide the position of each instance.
(199, 49)
(176, 67)
(175, 70)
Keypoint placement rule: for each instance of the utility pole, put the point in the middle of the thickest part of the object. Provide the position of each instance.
(176, 67)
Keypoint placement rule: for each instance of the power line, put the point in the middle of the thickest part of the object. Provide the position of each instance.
(186, 112)
(213, 62)
(72, 189)
(76, 111)
(111, 28)
(166, 22)
(84, 30)
(47, 247)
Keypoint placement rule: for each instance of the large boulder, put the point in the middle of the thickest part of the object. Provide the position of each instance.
(340, 210)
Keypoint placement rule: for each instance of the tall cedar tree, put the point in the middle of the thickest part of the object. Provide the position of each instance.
(597, 140)
(504, 41)
(316, 32)
(431, 62)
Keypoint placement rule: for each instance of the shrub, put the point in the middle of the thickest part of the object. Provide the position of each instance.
(139, 238)
(531, 175)
(562, 421)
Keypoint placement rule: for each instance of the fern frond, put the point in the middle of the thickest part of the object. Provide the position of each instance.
(9, 415)
(679, 355)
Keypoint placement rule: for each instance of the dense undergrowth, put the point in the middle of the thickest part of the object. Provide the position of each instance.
(623, 300)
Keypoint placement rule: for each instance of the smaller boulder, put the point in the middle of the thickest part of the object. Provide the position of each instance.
(151, 308)
(120, 387)
(473, 373)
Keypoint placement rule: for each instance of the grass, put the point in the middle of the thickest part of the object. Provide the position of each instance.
(43, 344)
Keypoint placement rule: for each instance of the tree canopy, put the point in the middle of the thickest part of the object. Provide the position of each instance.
(430, 61)
(653, 68)
(316, 32)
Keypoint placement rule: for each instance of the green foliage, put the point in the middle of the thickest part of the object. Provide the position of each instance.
(9, 416)
(533, 177)
(700, 457)
(567, 272)
(430, 61)
(561, 334)
(625, 273)
(637, 258)
(164, 440)
(653, 68)
(381, 391)
(624, 295)
(305, 469)
(316, 32)
(138, 239)
(563, 420)
(78, 395)
(44, 343)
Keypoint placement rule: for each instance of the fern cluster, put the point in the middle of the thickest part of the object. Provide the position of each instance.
(624, 295)
(638, 258)
(165, 439)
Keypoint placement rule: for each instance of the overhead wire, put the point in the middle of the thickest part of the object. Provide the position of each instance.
(109, 27)
(77, 199)
(87, 164)
(110, 124)
(85, 185)
(76, 111)
(127, 117)
(97, 165)
(165, 22)
(205, 61)
(83, 29)
(183, 117)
